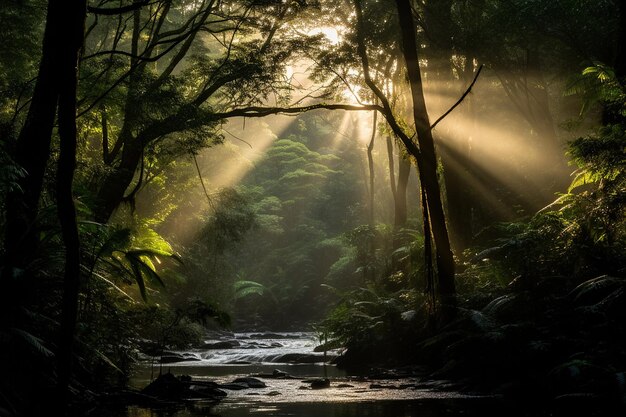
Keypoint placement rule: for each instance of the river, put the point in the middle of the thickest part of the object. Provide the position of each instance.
(229, 356)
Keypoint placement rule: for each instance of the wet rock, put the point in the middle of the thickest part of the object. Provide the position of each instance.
(274, 336)
(208, 391)
(169, 387)
(298, 358)
(320, 383)
(250, 382)
(178, 358)
(225, 344)
(276, 374)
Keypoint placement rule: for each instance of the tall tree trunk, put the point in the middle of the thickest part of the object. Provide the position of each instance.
(392, 168)
(444, 257)
(400, 212)
(620, 58)
(370, 163)
(74, 34)
(32, 151)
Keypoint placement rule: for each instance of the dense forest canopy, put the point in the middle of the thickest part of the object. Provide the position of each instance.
(171, 166)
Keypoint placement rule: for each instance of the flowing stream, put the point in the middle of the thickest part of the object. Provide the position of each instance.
(226, 357)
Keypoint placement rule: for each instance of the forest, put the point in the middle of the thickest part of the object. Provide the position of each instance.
(412, 207)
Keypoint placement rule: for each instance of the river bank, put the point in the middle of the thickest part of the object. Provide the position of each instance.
(286, 368)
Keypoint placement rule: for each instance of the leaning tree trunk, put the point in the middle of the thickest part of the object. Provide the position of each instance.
(445, 261)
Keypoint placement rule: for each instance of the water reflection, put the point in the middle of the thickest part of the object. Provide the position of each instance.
(421, 408)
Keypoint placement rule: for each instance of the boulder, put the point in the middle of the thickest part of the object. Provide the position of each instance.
(250, 382)
(320, 383)
(172, 358)
(225, 344)
(299, 358)
(169, 387)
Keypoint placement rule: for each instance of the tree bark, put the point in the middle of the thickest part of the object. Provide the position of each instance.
(392, 168)
(444, 257)
(620, 58)
(74, 32)
(400, 211)
(370, 164)
(32, 151)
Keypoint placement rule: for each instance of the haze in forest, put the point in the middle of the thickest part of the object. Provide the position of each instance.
(434, 185)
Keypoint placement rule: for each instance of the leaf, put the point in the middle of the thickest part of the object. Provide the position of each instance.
(108, 361)
(582, 178)
(246, 288)
(594, 289)
(32, 342)
(119, 239)
(139, 280)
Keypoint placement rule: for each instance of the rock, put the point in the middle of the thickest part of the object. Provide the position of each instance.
(273, 393)
(378, 386)
(345, 386)
(274, 336)
(250, 382)
(226, 344)
(169, 387)
(320, 383)
(299, 358)
(212, 392)
(177, 358)
(276, 374)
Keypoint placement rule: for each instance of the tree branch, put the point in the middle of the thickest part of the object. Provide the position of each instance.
(469, 89)
(117, 10)
(266, 111)
(386, 110)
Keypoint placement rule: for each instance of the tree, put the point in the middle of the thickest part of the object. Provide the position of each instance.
(189, 91)
(55, 94)
(427, 163)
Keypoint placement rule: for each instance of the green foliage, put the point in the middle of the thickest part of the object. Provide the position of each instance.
(583, 233)
(231, 218)
(596, 84)
(373, 325)
(244, 289)
(127, 256)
